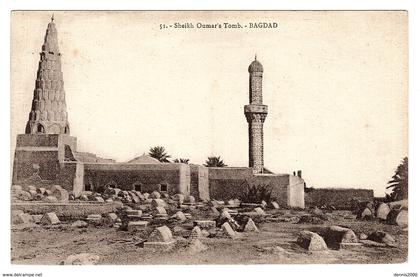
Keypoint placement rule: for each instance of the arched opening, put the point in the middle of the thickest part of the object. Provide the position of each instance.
(67, 130)
(40, 129)
(137, 186)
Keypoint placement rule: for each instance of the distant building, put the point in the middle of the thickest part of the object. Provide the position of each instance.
(46, 154)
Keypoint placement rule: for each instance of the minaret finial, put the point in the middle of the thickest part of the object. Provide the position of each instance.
(52, 17)
(255, 56)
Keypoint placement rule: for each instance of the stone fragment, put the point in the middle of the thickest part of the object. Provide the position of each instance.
(83, 197)
(380, 236)
(275, 205)
(135, 199)
(99, 199)
(363, 236)
(366, 214)
(158, 203)
(225, 214)
(81, 259)
(317, 211)
(155, 195)
(40, 190)
(50, 199)
(23, 195)
(134, 226)
(227, 230)
(336, 235)
(160, 238)
(47, 192)
(259, 211)
(62, 195)
(196, 246)
(180, 216)
(112, 217)
(37, 218)
(33, 193)
(50, 219)
(196, 232)
(311, 241)
(79, 224)
(160, 210)
(382, 211)
(230, 202)
(56, 187)
(401, 204)
(215, 211)
(146, 195)
(250, 226)
(263, 204)
(398, 217)
(179, 198)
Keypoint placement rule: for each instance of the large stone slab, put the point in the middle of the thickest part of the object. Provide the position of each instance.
(134, 226)
(250, 226)
(228, 231)
(382, 211)
(205, 224)
(398, 217)
(311, 241)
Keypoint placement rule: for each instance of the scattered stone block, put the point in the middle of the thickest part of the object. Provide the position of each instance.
(382, 211)
(363, 236)
(382, 237)
(83, 197)
(134, 213)
(179, 198)
(47, 192)
(196, 233)
(350, 245)
(38, 197)
(259, 211)
(366, 214)
(160, 210)
(250, 226)
(196, 246)
(160, 238)
(79, 224)
(190, 199)
(180, 216)
(398, 217)
(275, 205)
(112, 217)
(215, 211)
(50, 219)
(263, 204)
(205, 224)
(40, 190)
(37, 218)
(61, 194)
(225, 214)
(109, 200)
(227, 230)
(146, 195)
(99, 199)
(50, 199)
(230, 202)
(23, 195)
(134, 226)
(33, 193)
(158, 203)
(311, 241)
(165, 195)
(56, 187)
(335, 235)
(135, 199)
(317, 211)
(401, 204)
(81, 259)
(155, 195)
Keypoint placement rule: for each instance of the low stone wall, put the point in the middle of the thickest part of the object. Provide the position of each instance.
(72, 209)
(339, 198)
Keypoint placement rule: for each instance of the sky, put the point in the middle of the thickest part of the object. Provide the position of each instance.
(335, 84)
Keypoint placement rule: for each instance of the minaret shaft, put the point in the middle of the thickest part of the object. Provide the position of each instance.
(256, 113)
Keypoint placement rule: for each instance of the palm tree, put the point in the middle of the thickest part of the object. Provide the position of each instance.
(214, 161)
(182, 161)
(399, 182)
(159, 153)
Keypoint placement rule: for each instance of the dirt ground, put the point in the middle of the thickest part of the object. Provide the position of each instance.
(274, 244)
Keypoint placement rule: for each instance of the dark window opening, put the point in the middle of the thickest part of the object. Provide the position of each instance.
(40, 129)
(163, 187)
(137, 187)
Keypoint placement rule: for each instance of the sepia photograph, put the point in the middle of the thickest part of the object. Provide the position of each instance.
(208, 137)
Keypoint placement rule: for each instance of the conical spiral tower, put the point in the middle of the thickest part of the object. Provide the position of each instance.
(48, 113)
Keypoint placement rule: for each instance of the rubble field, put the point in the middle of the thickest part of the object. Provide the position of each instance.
(276, 242)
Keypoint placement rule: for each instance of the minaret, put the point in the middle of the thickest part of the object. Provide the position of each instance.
(255, 114)
(48, 113)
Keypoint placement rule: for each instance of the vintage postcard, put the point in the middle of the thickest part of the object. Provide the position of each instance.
(209, 137)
